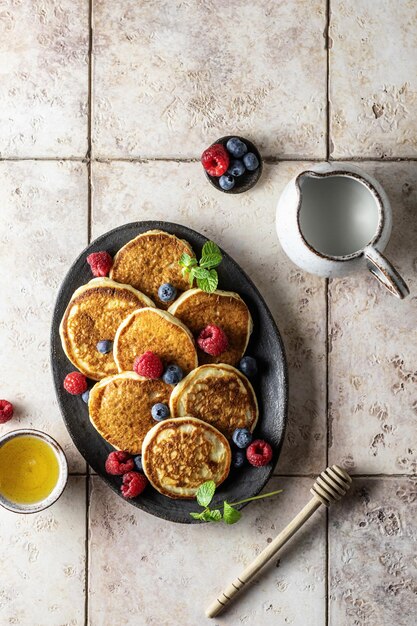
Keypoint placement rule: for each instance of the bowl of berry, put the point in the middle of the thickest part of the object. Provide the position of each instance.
(232, 164)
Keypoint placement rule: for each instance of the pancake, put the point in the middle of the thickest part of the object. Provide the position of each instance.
(226, 309)
(158, 331)
(219, 395)
(120, 408)
(94, 313)
(178, 455)
(150, 260)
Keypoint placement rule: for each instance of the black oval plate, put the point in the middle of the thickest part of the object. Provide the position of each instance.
(271, 384)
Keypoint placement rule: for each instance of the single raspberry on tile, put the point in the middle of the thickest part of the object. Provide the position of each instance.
(215, 160)
(212, 340)
(133, 484)
(259, 453)
(75, 383)
(148, 365)
(100, 263)
(119, 462)
(6, 411)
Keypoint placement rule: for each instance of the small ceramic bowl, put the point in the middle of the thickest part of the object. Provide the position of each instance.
(35, 507)
(248, 179)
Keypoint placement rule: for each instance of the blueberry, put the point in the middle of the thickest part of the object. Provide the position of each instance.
(167, 292)
(251, 161)
(137, 460)
(236, 167)
(248, 366)
(160, 411)
(226, 182)
(85, 396)
(104, 346)
(236, 147)
(172, 375)
(242, 437)
(238, 458)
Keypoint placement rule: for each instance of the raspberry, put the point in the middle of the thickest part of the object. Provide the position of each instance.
(119, 463)
(100, 263)
(133, 484)
(6, 411)
(259, 453)
(75, 383)
(215, 160)
(212, 340)
(148, 365)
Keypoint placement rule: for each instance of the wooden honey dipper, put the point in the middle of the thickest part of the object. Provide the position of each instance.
(331, 485)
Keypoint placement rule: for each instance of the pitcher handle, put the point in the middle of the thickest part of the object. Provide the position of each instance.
(386, 273)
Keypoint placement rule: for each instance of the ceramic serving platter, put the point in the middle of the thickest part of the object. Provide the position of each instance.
(271, 384)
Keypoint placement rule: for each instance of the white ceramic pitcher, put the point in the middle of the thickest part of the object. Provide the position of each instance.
(333, 220)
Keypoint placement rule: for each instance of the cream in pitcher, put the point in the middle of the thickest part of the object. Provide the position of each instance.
(335, 219)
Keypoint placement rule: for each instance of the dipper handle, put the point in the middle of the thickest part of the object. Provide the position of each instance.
(331, 485)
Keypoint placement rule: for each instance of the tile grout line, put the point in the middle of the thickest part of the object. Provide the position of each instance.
(165, 159)
(327, 344)
(327, 309)
(76, 159)
(89, 218)
(327, 39)
(87, 550)
(313, 475)
(90, 115)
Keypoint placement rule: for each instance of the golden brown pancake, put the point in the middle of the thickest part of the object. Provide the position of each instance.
(157, 331)
(94, 313)
(218, 394)
(149, 261)
(226, 309)
(178, 455)
(120, 408)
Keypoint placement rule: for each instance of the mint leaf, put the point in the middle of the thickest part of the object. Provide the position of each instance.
(206, 515)
(230, 515)
(215, 516)
(191, 275)
(210, 248)
(205, 493)
(197, 515)
(210, 282)
(184, 260)
(187, 261)
(200, 273)
(206, 275)
(211, 260)
(210, 255)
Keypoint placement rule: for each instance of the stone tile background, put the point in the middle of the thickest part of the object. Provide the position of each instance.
(204, 71)
(105, 109)
(181, 554)
(43, 564)
(373, 78)
(44, 78)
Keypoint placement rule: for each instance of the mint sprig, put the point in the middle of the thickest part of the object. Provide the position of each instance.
(203, 272)
(230, 515)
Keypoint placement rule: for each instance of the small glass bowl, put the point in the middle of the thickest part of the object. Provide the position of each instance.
(35, 507)
(248, 179)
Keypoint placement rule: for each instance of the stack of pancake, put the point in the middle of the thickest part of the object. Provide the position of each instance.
(212, 400)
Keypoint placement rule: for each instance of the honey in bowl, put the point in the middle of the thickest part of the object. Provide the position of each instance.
(29, 469)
